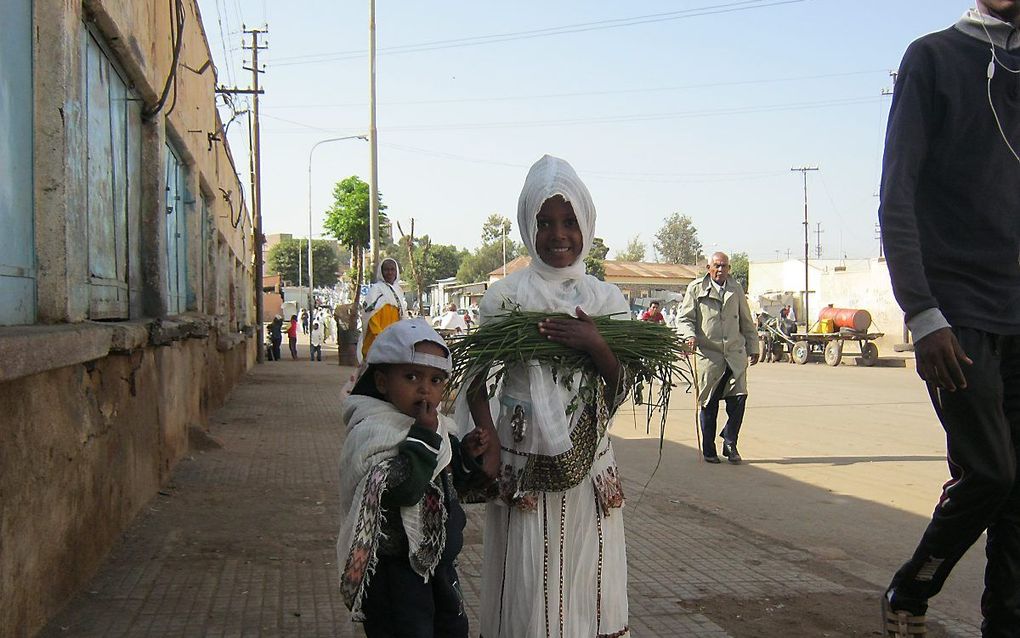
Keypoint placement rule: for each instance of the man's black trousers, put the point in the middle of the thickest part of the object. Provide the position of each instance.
(982, 424)
(710, 416)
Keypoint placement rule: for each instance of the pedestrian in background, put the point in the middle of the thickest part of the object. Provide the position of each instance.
(276, 337)
(292, 336)
(383, 305)
(949, 214)
(715, 318)
(315, 340)
(653, 314)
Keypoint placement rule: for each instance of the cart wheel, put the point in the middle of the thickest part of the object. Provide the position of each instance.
(799, 353)
(869, 354)
(834, 352)
(763, 350)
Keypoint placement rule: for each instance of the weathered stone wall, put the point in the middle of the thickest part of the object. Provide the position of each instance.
(84, 446)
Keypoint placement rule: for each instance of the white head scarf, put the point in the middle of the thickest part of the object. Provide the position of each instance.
(549, 177)
(544, 288)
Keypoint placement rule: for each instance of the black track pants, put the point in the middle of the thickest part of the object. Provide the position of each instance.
(982, 424)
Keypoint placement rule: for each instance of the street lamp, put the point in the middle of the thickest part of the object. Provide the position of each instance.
(311, 280)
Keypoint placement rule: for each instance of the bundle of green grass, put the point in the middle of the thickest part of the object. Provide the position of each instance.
(646, 351)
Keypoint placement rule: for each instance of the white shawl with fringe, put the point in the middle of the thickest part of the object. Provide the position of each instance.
(375, 429)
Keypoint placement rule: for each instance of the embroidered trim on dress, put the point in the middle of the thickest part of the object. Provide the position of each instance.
(608, 490)
(617, 634)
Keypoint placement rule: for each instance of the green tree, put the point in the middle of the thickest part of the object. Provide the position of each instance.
(347, 220)
(476, 266)
(286, 256)
(740, 269)
(593, 262)
(677, 241)
(495, 227)
(443, 261)
(635, 250)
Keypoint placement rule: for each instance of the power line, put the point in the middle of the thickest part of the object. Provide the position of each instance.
(511, 98)
(666, 178)
(609, 119)
(616, 23)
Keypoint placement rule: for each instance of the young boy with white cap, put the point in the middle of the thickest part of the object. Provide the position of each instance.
(399, 472)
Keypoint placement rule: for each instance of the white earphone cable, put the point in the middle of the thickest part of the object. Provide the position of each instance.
(989, 74)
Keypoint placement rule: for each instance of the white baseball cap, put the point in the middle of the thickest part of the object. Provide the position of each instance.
(396, 344)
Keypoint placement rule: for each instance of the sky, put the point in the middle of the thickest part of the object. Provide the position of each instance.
(700, 107)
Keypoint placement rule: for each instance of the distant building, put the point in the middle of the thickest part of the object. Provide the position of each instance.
(637, 280)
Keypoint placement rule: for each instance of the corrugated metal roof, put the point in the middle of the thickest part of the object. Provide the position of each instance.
(648, 270)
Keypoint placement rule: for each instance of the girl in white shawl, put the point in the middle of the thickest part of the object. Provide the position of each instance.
(555, 560)
(383, 305)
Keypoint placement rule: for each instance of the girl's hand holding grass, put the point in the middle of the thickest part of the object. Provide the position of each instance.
(579, 334)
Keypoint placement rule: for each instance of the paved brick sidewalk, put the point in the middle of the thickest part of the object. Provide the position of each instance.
(240, 543)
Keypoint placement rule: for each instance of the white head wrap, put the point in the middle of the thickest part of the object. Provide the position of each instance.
(544, 288)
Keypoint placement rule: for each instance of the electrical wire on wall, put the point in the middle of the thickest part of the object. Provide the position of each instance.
(177, 9)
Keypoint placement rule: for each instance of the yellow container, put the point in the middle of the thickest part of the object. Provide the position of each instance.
(824, 326)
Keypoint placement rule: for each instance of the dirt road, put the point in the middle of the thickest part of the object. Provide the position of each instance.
(845, 463)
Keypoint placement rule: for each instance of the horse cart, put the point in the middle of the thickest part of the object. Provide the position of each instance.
(835, 329)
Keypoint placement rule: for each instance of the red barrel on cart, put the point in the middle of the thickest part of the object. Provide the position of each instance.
(859, 320)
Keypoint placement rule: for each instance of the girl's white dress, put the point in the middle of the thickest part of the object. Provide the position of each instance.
(555, 561)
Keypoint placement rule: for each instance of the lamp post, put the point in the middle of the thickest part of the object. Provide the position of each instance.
(311, 280)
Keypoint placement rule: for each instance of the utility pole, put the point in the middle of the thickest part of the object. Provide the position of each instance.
(878, 236)
(373, 181)
(299, 264)
(818, 240)
(256, 186)
(803, 170)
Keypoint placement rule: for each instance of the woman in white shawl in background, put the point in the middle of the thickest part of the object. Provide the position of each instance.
(384, 304)
(555, 561)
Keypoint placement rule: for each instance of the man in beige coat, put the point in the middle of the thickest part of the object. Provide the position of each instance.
(715, 318)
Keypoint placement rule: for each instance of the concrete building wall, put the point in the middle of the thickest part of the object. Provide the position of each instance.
(97, 413)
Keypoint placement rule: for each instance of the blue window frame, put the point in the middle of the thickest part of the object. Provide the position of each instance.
(17, 242)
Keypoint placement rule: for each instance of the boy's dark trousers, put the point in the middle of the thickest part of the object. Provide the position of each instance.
(400, 604)
(982, 424)
(315, 351)
(710, 416)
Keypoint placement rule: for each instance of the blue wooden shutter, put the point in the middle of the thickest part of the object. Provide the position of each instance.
(112, 133)
(176, 233)
(17, 256)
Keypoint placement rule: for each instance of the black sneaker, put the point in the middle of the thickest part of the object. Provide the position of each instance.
(712, 459)
(903, 622)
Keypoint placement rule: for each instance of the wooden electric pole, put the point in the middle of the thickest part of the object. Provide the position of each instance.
(256, 186)
(803, 170)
